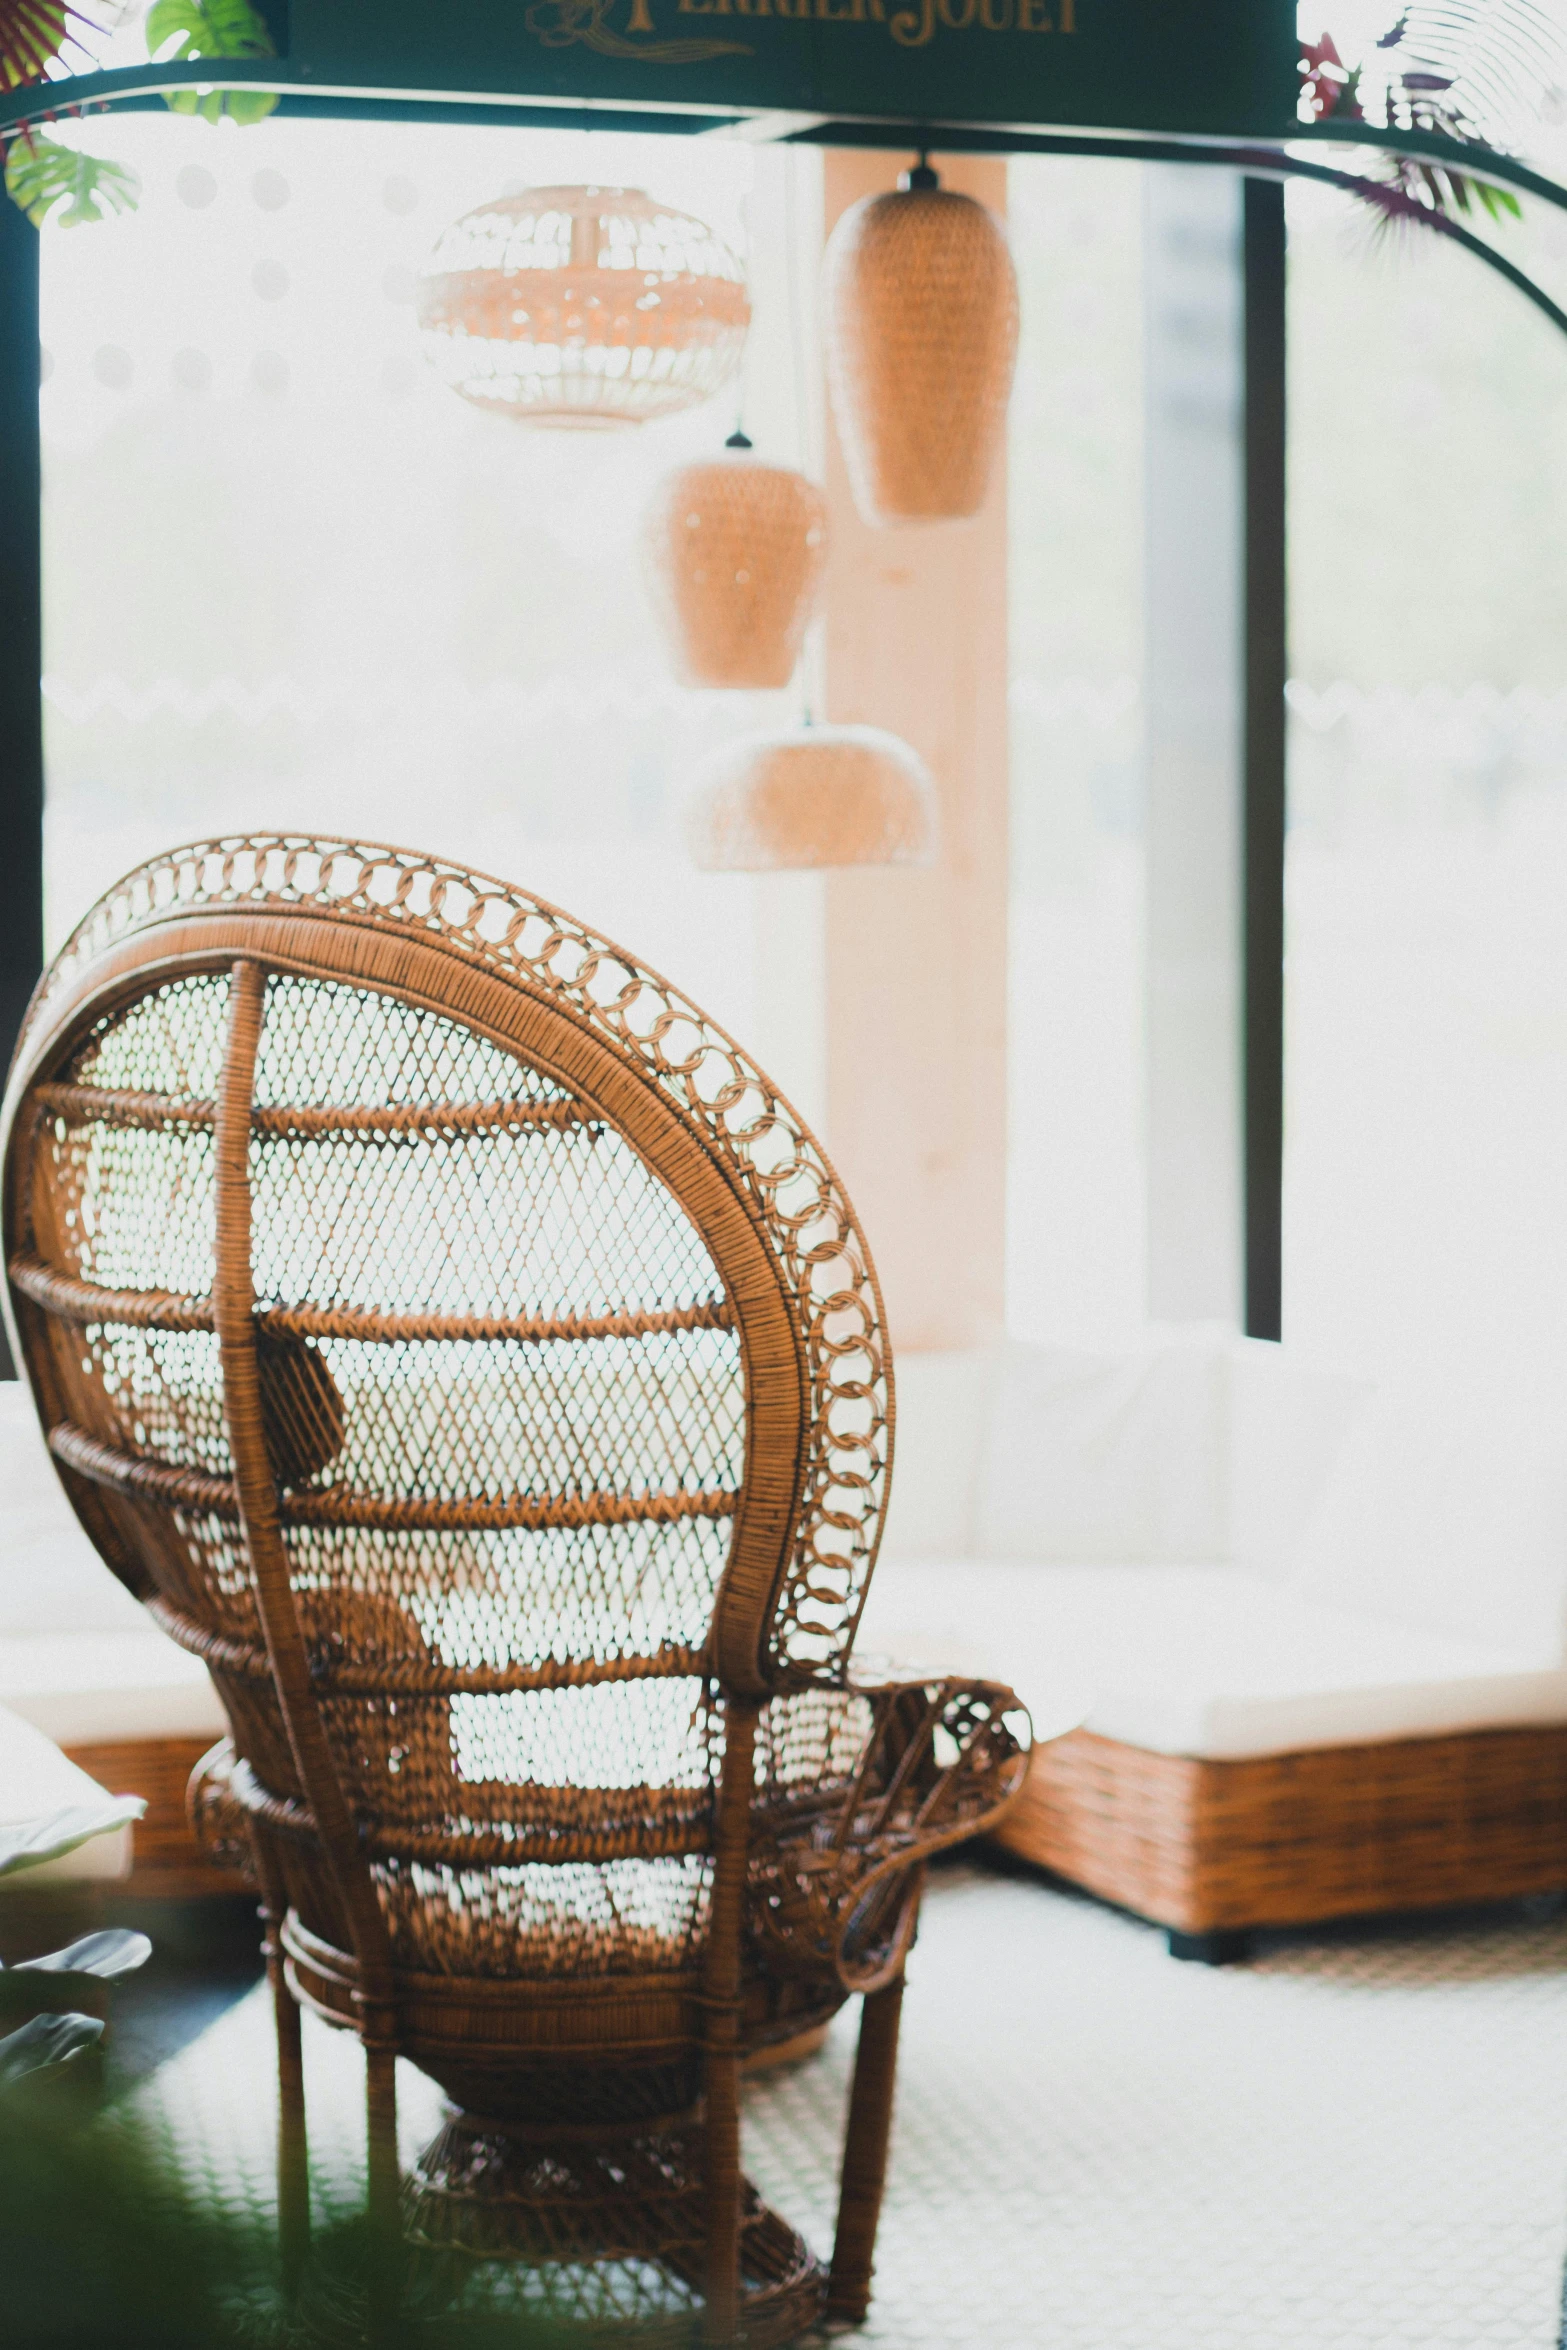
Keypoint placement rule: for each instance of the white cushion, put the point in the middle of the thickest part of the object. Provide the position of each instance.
(35, 1781)
(940, 1426)
(104, 1687)
(1449, 1514)
(1288, 1422)
(1201, 1660)
(1118, 1458)
(51, 1577)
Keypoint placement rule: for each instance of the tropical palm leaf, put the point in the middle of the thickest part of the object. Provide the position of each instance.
(32, 34)
(212, 28)
(1487, 63)
(1473, 71)
(42, 177)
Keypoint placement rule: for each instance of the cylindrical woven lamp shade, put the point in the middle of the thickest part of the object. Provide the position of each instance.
(825, 795)
(922, 322)
(582, 306)
(735, 551)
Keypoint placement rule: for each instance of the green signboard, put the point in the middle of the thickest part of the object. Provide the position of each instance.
(1194, 68)
(1226, 66)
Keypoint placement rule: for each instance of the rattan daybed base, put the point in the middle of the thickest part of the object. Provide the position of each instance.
(1212, 1849)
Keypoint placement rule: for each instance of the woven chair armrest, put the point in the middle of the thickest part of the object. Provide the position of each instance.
(220, 1821)
(837, 1873)
(946, 1755)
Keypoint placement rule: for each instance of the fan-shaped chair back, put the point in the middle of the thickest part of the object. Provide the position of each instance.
(453, 1338)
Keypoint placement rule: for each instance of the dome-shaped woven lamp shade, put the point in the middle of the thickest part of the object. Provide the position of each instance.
(922, 322)
(825, 795)
(582, 306)
(735, 551)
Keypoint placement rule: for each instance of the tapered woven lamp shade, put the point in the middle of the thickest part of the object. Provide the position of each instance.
(582, 306)
(922, 323)
(824, 795)
(735, 551)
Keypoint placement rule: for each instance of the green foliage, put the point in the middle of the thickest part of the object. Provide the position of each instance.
(44, 2045)
(105, 2245)
(212, 28)
(43, 177)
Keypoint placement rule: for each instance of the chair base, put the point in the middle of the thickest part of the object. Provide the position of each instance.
(596, 2231)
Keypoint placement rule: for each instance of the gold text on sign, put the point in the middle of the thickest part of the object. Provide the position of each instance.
(911, 26)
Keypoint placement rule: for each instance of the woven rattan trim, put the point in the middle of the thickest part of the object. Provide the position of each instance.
(74, 1300)
(215, 1497)
(683, 1828)
(657, 1995)
(104, 1106)
(420, 1676)
(222, 1652)
(612, 1032)
(455, 1844)
(455, 1847)
(282, 1812)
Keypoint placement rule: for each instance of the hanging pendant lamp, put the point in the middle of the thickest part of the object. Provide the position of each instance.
(823, 795)
(922, 320)
(582, 306)
(735, 551)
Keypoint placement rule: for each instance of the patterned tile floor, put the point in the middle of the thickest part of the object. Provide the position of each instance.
(1355, 2141)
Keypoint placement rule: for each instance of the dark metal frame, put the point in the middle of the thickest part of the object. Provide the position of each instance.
(1263, 766)
(1266, 167)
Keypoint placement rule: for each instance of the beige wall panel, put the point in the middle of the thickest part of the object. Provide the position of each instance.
(916, 641)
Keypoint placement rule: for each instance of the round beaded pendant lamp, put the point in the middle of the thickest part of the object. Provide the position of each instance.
(735, 550)
(582, 306)
(821, 796)
(922, 324)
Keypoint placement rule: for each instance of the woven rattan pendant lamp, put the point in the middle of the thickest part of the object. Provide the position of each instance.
(582, 306)
(820, 796)
(922, 321)
(735, 550)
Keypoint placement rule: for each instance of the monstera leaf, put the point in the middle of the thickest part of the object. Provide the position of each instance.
(212, 28)
(44, 2047)
(42, 177)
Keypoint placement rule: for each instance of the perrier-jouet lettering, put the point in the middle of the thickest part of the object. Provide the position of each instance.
(911, 26)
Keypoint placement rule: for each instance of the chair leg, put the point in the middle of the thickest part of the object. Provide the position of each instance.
(293, 2166)
(721, 2295)
(721, 2151)
(293, 2163)
(865, 2154)
(385, 2186)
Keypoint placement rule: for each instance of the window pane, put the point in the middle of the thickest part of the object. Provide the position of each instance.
(1427, 868)
(1076, 1196)
(293, 582)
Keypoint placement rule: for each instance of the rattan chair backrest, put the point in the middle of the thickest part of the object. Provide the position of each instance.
(454, 1337)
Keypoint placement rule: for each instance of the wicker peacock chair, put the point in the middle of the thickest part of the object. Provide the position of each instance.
(450, 1335)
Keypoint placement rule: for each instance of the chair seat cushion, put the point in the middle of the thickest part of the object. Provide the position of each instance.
(100, 1688)
(1206, 1661)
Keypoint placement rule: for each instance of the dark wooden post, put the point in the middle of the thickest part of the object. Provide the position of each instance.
(1264, 785)
(21, 638)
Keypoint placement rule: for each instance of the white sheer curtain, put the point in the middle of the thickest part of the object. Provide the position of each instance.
(1426, 1167)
